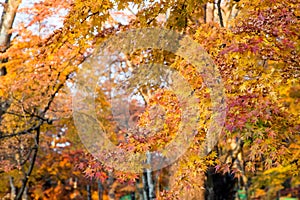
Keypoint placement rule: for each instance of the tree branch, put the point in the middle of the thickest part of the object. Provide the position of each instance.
(28, 173)
(220, 13)
(205, 12)
(2, 136)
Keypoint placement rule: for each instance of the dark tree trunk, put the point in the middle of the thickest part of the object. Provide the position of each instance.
(219, 186)
(89, 192)
(100, 190)
(149, 189)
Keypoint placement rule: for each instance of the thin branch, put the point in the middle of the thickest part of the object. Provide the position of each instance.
(40, 122)
(205, 13)
(22, 162)
(41, 119)
(153, 18)
(28, 173)
(220, 13)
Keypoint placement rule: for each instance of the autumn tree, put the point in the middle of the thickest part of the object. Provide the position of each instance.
(254, 44)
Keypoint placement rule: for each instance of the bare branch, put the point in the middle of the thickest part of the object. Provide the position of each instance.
(27, 131)
(28, 173)
(220, 13)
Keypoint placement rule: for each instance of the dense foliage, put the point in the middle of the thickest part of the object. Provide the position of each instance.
(255, 46)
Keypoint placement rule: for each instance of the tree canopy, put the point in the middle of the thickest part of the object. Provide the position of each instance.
(143, 98)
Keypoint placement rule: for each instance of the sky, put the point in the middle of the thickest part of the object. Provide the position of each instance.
(56, 21)
(53, 22)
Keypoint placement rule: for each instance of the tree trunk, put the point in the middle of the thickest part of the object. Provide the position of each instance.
(149, 189)
(7, 20)
(140, 189)
(112, 186)
(150, 178)
(220, 186)
(25, 194)
(10, 8)
(89, 192)
(100, 190)
(13, 190)
(145, 186)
